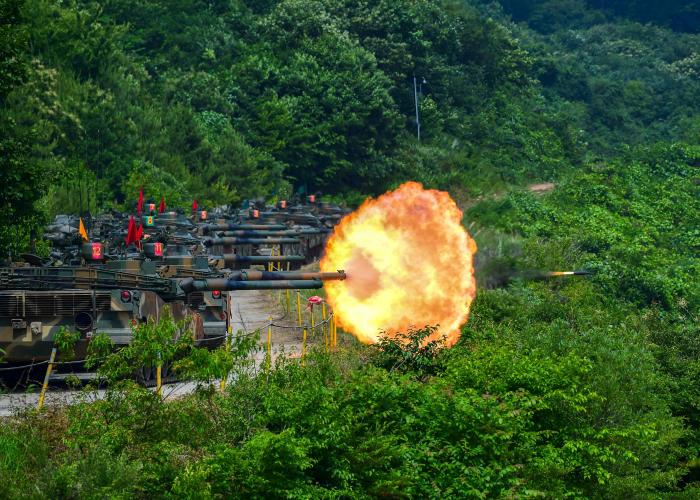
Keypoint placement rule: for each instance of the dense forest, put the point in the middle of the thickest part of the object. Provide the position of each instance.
(564, 388)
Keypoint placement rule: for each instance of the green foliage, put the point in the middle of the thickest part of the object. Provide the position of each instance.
(618, 82)
(232, 100)
(65, 341)
(25, 180)
(410, 352)
(155, 342)
(630, 220)
(98, 349)
(629, 394)
(505, 417)
(157, 183)
(231, 359)
(548, 14)
(24, 451)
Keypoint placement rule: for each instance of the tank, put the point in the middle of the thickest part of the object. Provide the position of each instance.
(35, 302)
(310, 240)
(175, 261)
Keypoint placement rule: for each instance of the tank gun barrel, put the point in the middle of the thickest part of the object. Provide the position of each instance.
(261, 280)
(261, 234)
(230, 285)
(245, 227)
(289, 216)
(254, 274)
(232, 258)
(233, 240)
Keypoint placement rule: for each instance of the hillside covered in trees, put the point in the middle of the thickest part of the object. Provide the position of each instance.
(227, 100)
(564, 388)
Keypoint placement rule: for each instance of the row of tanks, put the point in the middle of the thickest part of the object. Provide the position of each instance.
(133, 265)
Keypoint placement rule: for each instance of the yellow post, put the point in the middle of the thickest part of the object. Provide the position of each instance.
(323, 326)
(335, 332)
(313, 322)
(298, 308)
(45, 386)
(331, 326)
(159, 381)
(303, 347)
(288, 296)
(269, 344)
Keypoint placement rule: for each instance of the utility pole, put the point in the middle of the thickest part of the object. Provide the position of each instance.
(415, 97)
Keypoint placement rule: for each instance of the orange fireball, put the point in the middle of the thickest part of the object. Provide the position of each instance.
(408, 261)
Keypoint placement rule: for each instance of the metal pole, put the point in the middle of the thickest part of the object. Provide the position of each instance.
(159, 379)
(313, 322)
(331, 327)
(323, 326)
(269, 344)
(298, 308)
(45, 386)
(415, 97)
(335, 332)
(289, 307)
(303, 348)
(227, 340)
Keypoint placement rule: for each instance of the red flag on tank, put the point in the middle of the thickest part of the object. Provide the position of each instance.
(161, 207)
(131, 231)
(194, 205)
(138, 234)
(139, 206)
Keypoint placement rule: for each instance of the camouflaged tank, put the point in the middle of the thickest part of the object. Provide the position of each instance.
(310, 231)
(242, 248)
(288, 230)
(35, 302)
(175, 261)
(38, 302)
